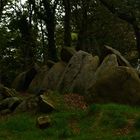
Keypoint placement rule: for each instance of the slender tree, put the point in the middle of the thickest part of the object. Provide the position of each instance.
(27, 40)
(82, 36)
(50, 25)
(48, 16)
(67, 20)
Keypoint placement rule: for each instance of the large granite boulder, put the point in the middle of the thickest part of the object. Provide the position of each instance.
(23, 80)
(118, 84)
(53, 76)
(36, 84)
(19, 82)
(47, 78)
(108, 62)
(107, 82)
(28, 104)
(78, 73)
(121, 60)
(93, 74)
(9, 103)
(86, 75)
(6, 92)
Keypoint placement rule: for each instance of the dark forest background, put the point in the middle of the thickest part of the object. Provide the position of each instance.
(36, 31)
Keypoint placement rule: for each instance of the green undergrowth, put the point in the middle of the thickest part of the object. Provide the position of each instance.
(98, 122)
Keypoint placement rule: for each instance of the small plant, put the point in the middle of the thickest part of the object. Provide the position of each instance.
(136, 137)
(120, 122)
(65, 133)
(114, 118)
(94, 108)
(137, 123)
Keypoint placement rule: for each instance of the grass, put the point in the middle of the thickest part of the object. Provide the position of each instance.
(98, 122)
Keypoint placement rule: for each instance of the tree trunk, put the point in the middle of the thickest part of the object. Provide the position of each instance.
(52, 53)
(82, 36)
(50, 26)
(67, 27)
(28, 42)
(43, 44)
(48, 16)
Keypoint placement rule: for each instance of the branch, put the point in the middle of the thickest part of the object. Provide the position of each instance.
(50, 7)
(55, 5)
(122, 15)
(2, 4)
(47, 6)
(39, 14)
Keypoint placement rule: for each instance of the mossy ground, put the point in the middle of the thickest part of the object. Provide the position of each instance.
(97, 122)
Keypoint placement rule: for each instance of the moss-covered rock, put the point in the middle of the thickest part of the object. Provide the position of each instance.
(23, 80)
(19, 81)
(47, 78)
(6, 92)
(28, 104)
(9, 103)
(79, 72)
(37, 82)
(118, 84)
(43, 122)
(51, 80)
(86, 75)
(121, 60)
(108, 62)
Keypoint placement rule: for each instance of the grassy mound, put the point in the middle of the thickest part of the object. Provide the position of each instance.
(98, 122)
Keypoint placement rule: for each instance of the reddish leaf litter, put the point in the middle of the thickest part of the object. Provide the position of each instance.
(75, 101)
(127, 129)
(73, 124)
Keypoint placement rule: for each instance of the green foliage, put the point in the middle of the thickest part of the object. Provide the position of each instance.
(74, 36)
(9, 56)
(94, 108)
